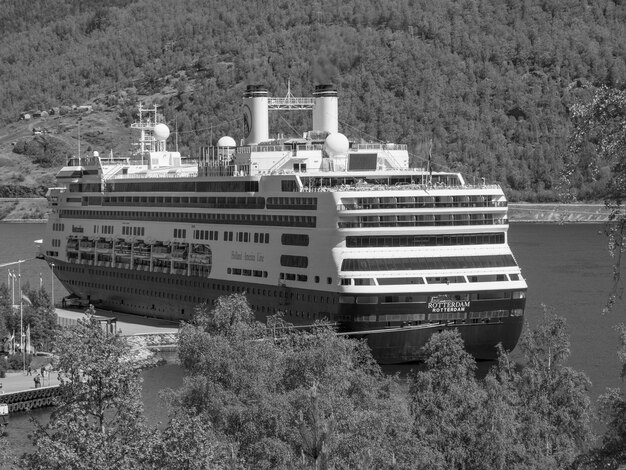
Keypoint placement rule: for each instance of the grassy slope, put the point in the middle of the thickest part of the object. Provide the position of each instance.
(99, 130)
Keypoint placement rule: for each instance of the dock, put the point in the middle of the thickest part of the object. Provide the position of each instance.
(18, 388)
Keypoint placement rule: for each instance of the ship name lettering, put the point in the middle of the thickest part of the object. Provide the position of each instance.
(236, 255)
(260, 257)
(448, 306)
(250, 257)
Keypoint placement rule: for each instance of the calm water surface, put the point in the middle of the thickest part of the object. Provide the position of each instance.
(567, 268)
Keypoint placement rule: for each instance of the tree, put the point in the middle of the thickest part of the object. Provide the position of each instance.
(465, 423)
(611, 453)
(8, 460)
(188, 443)
(98, 422)
(294, 400)
(600, 122)
(39, 313)
(6, 310)
(536, 415)
(550, 401)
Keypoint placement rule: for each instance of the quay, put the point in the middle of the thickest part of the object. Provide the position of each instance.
(18, 389)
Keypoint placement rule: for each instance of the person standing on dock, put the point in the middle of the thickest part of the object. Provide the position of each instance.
(37, 380)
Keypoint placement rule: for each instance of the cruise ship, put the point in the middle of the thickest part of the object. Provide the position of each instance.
(319, 227)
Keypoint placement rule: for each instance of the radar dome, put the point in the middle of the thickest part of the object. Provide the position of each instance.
(226, 141)
(336, 144)
(161, 132)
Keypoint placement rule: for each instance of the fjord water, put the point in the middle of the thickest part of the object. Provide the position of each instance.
(567, 267)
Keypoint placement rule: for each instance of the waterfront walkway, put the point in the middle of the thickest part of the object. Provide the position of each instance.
(19, 382)
(127, 325)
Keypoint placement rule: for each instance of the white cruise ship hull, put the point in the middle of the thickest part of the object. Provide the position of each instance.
(315, 230)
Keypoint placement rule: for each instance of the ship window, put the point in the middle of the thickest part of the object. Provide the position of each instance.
(295, 239)
(294, 261)
(445, 279)
(289, 186)
(423, 240)
(488, 278)
(387, 281)
(401, 264)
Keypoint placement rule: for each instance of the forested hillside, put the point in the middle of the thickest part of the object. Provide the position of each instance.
(491, 82)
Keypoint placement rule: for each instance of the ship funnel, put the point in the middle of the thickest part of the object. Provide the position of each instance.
(255, 115)
(325, 109)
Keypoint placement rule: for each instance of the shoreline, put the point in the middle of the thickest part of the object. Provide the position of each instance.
(521, 212)
(518, 212)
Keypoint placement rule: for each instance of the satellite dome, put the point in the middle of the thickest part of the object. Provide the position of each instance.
(336, 144)
(226, 141)
(161, 132)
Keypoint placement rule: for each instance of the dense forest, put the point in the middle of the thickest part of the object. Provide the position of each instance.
(491, 83)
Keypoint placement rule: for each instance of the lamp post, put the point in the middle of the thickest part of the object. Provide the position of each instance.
(19, 292)
(12, 277)
(52, 285)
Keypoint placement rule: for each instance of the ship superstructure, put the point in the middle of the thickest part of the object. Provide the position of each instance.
(317, 227)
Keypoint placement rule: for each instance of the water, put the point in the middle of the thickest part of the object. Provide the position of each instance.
(567, 268)
(17, 242)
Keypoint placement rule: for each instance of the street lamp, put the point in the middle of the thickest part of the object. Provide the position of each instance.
(12, 284)
(19, 292)
(52, 285)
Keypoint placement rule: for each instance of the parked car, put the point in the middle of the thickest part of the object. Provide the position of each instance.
(74, 301)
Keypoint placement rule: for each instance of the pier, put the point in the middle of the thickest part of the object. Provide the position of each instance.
(18, 390)
(20, 394)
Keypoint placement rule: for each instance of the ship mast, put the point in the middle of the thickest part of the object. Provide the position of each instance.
(147, 141)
